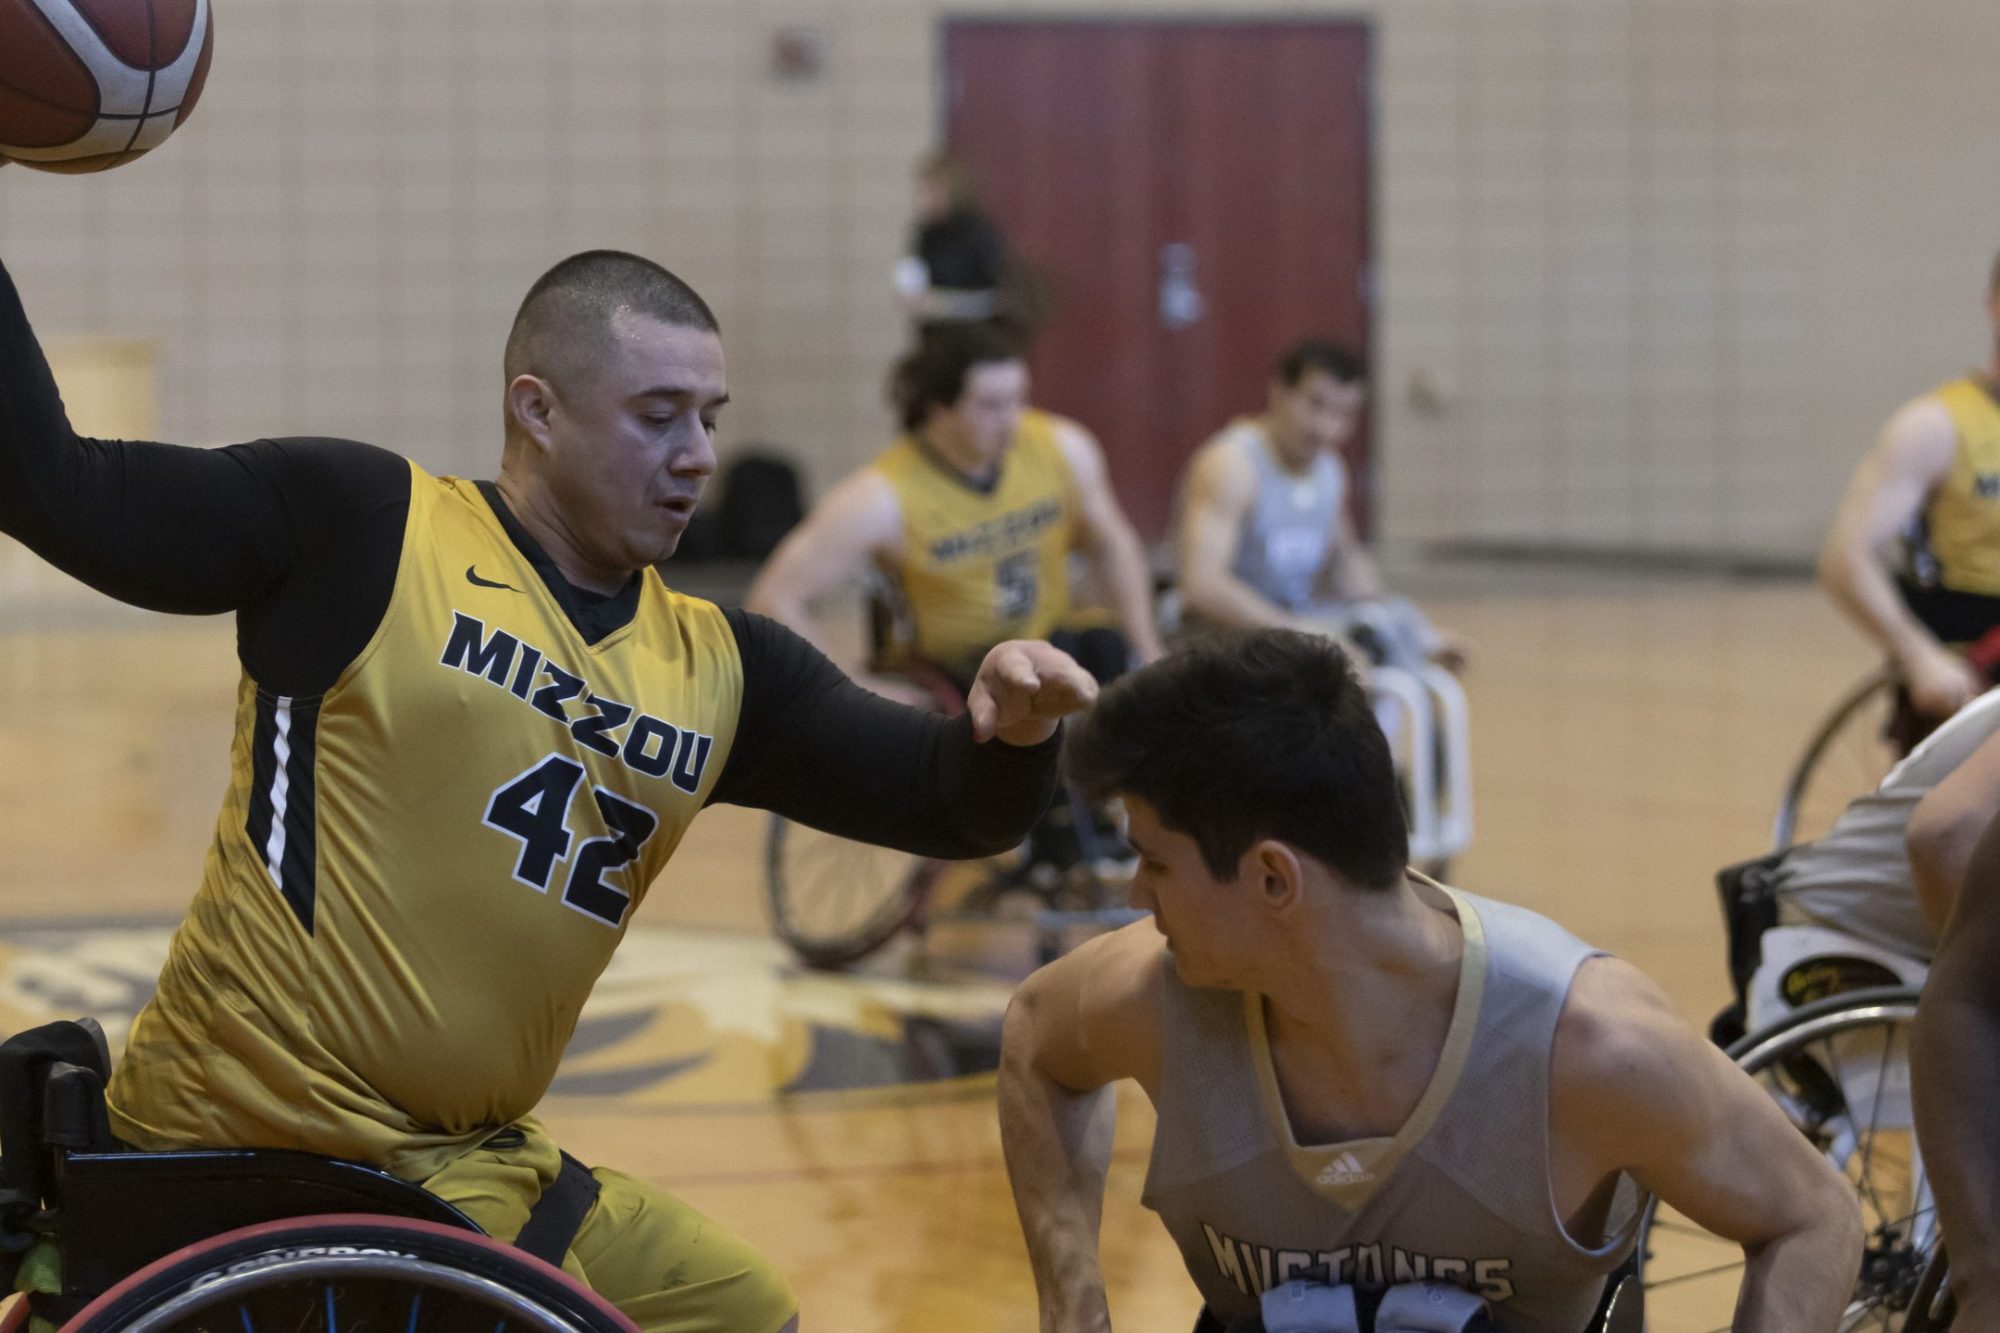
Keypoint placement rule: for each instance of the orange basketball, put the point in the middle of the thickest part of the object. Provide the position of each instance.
(90, 84)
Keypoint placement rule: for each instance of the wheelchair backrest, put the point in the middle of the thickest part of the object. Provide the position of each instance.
(1748, 895)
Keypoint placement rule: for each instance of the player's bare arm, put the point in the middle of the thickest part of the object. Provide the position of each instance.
(1107, 538)
(1221, 487)
(1908, 462)
(856, 524)
(1955, 1063)
(1073, 1028)
(1945, 829)
(1351, 574)
(1636, 1089)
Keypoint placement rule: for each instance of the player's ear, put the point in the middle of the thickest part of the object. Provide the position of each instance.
(1280, 874)
(529, 404)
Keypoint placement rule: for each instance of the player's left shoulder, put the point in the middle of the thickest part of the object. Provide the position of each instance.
(1619, 1039)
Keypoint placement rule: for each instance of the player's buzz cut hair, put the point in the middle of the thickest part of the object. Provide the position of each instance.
(565, 319)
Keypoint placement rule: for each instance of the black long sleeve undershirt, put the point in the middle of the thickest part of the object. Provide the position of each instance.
(301, 539)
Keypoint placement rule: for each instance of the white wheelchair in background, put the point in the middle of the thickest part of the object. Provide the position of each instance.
(1422, 709)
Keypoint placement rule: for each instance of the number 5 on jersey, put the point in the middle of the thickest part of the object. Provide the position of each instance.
(534, 808)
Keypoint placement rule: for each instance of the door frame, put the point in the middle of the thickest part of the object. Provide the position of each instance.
(1364, 489)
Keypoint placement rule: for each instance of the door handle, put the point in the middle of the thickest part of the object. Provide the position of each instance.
(1181, 301)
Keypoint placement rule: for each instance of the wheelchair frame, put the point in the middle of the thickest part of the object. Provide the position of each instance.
(65, 1180)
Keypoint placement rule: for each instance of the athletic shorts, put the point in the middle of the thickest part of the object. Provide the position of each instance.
(667, 1267)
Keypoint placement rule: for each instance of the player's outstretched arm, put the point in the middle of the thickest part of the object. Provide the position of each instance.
(854, 522)
(1636, 1089)
(1955, 1062)
(819, 749)
(1107, 538)
(196, 531)
(1073, 1028)
(1908, 462)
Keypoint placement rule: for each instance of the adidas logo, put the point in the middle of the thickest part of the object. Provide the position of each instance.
(1345, 1169)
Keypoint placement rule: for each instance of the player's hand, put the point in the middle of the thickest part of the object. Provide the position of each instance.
(1940, 683)
(1024, 687)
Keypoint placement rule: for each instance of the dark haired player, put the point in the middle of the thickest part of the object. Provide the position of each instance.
(971, 515)
(1364, 1079)
(472, 727)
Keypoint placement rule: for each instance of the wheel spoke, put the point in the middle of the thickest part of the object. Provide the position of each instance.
(1679, 1278)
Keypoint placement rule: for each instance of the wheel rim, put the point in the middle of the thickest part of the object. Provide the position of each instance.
(284, 1293)
(1841, 1075)
(833, 895)
(1849, 755)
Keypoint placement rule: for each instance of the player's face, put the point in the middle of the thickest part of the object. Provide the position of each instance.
(1319, 413)
(636, 444)
(1210, 924)
(983, 420)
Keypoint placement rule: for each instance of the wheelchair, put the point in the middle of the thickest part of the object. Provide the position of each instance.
(1835, 1059)
(834, 901)
(1850, 752)
(175, 1242)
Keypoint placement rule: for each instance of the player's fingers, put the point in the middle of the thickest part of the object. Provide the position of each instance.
(1017, 669)
(1066, 688)
(984, 713)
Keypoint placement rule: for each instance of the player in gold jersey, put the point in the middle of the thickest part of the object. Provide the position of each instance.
(972, 515)
(472, 727)
(1933, 481)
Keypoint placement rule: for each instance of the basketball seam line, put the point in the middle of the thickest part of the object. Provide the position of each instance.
(152, 71)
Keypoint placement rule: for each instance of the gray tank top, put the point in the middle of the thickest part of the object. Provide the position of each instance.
(1288, 533)
(1855, 878)
(1460, 1194)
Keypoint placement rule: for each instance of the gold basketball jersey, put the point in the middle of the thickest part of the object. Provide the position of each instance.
(1962, 521)
(979, 566)
(419, 875)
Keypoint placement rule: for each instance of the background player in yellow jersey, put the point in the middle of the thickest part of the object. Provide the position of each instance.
(972, 515)
(1932, 480)
(472, 727)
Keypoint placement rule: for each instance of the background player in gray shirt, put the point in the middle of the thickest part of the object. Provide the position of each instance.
(1264, 539)
(1363, 1078)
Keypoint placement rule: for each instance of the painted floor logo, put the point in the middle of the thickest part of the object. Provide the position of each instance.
(681, 1017)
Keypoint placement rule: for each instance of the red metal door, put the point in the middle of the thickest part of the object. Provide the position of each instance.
(1196, 195)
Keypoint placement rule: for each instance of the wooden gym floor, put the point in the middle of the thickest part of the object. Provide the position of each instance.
(1631, 732)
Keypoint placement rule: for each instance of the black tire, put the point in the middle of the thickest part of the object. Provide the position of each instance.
(1849, 754)
(361, 1271)
(835, 901)
(1810, 1061)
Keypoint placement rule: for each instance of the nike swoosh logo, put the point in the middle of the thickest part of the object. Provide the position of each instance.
(472, 577)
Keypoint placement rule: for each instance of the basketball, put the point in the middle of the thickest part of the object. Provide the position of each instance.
(86, 85)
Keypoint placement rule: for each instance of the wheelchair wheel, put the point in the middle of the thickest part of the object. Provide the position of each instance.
(1849, 754)
(1840, 1071)
(835, 901)
(350, 1270)
(1932, 1308)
